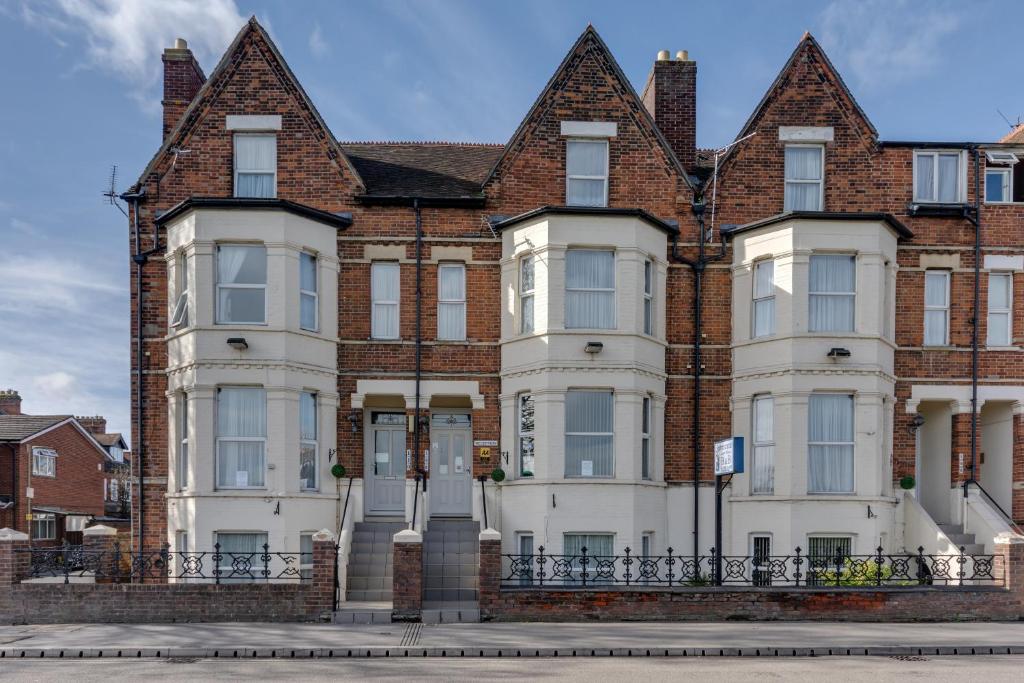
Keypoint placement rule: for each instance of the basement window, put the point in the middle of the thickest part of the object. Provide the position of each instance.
(44, 526)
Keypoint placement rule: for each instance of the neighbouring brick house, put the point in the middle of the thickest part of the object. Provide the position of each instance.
(53, 474)
(559, 306)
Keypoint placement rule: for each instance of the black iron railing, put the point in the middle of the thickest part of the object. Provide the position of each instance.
(215, 566)
(799, 569)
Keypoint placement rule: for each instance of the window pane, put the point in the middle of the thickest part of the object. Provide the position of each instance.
(803, 163)
(830, 438)
(307, 311)
(998, 329)
(764, 279)
(948, 174)
(585, 192)
(256, 153)
(451, 283)
(935, 289)
(241, 412)
(307, 466)
(586, 158)
(830, 417)
(832, 273)
(764, 470)
(588, 456)
(589, 411)
(239, 464)
(924, 167)
(385, 293)
(526, 439)
(307, 416)
(526, 322)
(764, 317)
(596, 544)
(385, 321)
(307, 272)
(935, 328)
(526, 282)
(242, 265)
(451, 321)
(764, 419)
(258, 185)
(997, 186)
(827, 548)
(802, 197)
(588, 426)
(241, 305)
(999, 290)
(589, 269)
(385, 282)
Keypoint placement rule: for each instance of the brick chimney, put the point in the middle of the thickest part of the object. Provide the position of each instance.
(183, 78)
(10, 402)
(95, 424)
(671, 97)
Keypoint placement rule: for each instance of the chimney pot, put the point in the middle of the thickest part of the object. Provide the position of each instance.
(671, 98)
(662, 55)
(180, 44)
(683, 56)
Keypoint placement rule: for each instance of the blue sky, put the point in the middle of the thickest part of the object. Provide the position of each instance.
(81, 91)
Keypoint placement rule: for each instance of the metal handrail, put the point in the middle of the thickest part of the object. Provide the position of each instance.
(1006, 517)
(337, 546)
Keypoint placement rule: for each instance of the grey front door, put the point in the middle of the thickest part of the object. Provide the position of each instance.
(384, 467)
(451, 464)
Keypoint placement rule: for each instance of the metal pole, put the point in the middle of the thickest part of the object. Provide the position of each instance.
(718, 530)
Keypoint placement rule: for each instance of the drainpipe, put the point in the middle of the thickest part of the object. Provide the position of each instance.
(420, 472)
(974, 216)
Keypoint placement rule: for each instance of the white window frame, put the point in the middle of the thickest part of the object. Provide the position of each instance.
(820, 182)
(1007, 311)
(527, 326)
(461, 267)
(220, 285)
(180, 316)
(760, 574)
(646, 440)
(234, 146)
(525, 434)
(615, 313)
(375, 302)
(306, 559)
(1008, 184)
(218, 439)
(526, 547)
(588, 141)
(611, 433)
(649, 297)
(834, 539)
(961, 179)
(853, 294)
(310, 294)
(314, 443)
(755, 299)
(183, 442)
(44, 462)
(757, 445)
(227, 557)
(47, 520)
(852, 444)
(946, 276)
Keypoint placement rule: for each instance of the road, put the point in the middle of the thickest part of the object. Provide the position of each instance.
(873, 669)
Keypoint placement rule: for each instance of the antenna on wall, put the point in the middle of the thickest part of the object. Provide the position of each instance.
(714, 179)
(111, 193)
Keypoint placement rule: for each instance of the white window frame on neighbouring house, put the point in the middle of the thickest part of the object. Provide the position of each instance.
(183, 450)
(259, 400)
(762, 475)
(44, 526)
(44, 462)
(646, 425)
(763, 306)
(451, 302)
(577, 440)
(821, 451)
(791, 180)
(831, 297)
(648, 297)
(571, 145)
(1005, 181)
(309, 292)
(527, 289)
(225, 287)
(936, 307)
(264, 168)
(180, 317)
(309, 430)
(997, 311)
(926, 190)
(526, 419)
(385, 300)
(306, 555)
(580, 297)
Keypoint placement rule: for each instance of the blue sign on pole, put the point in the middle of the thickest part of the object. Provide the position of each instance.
(729, 456)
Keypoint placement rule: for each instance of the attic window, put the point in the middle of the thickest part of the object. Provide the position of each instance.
(255, 165)
(586, 171)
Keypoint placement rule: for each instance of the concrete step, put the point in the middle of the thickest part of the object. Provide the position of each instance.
(450, 616)
(369, 595)
(362, 583)
(361, 615)
(450, 595)
(974, 548)
(961, 539)
(369, 571)
(437, 582)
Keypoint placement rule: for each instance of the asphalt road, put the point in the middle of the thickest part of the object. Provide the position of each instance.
(873, 669)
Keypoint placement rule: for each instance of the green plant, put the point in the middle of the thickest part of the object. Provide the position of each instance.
(907, 483)
(338, 470)
(498, 474)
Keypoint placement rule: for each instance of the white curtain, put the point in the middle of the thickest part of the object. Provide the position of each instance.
(241, 432)
(764, 298)
(526, 285)
(830, 444)
(589, 425)
(385, 292)
(241, 265)
(307, 297)
(764, 446)
(590, 160)
(999, 297)
(241, 550)
(949, 166)
(597, 545)
(255, 165)
(803, 164)
(590, 289)
(832, 284)
(307, 416)
(924, 167)
(936, 301)
(451, 307)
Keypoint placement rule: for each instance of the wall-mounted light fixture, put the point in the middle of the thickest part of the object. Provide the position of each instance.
(916, 423)
(353, 418)
(594, 347)
(238, 343)
(838, 352)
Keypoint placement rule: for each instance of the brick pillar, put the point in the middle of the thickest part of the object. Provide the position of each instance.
(14, 564)
(1009, 552)
(1017, 502)
(102, 552)
(407, 582)
(490, 572)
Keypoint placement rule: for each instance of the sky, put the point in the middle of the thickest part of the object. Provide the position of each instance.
(81, 86)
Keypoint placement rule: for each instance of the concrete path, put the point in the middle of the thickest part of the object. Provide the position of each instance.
(529, 639)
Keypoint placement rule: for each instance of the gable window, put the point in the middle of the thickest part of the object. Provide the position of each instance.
(183, 441)
(451, 301)
(830, 443)
(763, 480)
(1000, 305)
(241, 437)
(586, 171)
(241, 284)
(998, 186)
(526, 441)
(44, 526)
(648, 297)
(255, 166)
(764, 298)
(936, 308)
(307, 441)
(44, 462)
(309, 298)
(180, 314)
(590, 289)
(384, 288)
(804, 177)
(589, 433)
(937, 177)
(645, 438)
(526, 292)
(832, 293)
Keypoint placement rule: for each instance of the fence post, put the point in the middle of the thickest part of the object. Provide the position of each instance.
(14, 564)
(490, 572)
(325, 560)
(99, 552)
(407, 582)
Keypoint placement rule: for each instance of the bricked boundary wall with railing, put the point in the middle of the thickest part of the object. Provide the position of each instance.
(50, 603)
(643, 603)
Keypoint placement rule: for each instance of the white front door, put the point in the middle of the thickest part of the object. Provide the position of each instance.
(384, 467)
(451, 464)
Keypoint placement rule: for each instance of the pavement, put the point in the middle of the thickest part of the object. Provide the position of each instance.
(729, 639)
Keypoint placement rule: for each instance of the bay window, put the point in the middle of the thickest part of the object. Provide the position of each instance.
(255, 166)
(526, 431)
(586, 171)
(589, 289)
(645, 438)
(451, 301)
(763, 478)
(832, 293)
(241, 437)
(385, 293)
(648, 297)
(764, 299)
(589, 433)
(183, 441)
(180, 314)
(309, 298)
(526, 294)
(241, 284)
(308, 441)
(830, 443)
(804, 177)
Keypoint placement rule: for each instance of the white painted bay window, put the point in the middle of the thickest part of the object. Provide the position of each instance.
(309, 297)
(586, 166)
(648, 297)
(527, 424)
(255, 166)
(308, 441)
(832, 293)
(763, 476)
(385, 292)
(645, 438)
(764, 298)
(804, 177)
(937, 177)
(183, 452)
(241, 284)
(527, 285)
(1000, 306)
(830, 443)
(451, 302)
(241, 437)
(936, 308)
(180, 315)
(589, 433)
(590, 289)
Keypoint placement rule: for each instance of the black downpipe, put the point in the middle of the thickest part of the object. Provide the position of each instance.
(975, 220)
(420, 472)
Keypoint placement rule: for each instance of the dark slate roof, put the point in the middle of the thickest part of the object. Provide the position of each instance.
(20, 427)
(422, 169)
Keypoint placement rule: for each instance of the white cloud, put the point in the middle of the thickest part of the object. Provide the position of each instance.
(884, 42)
(317, 45)
(127, 37)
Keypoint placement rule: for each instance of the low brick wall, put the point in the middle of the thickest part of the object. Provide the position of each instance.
(407, 577)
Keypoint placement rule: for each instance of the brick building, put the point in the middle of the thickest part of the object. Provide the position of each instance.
(586, 307)
(54, 473)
